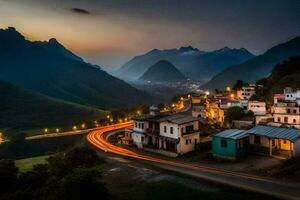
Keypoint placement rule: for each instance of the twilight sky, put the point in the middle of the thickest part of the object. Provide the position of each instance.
(110, 32)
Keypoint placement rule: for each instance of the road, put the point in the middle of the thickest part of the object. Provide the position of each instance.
(99, 138)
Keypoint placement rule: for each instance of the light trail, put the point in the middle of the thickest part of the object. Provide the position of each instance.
(99, 138)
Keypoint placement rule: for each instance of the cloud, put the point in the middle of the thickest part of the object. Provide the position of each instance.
(80, 11)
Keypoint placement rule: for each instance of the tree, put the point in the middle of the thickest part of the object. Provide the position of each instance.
(238, 85)
(84, 183)
(82, 156)
(8, 175)
(234, 113)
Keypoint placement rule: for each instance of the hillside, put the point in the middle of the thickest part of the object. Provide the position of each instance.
(255, 68)
(49, 68)
(23, 109)
(285, 74)
(192, 62)
(162, 71)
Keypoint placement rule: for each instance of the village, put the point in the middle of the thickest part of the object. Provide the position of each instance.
(242, 126)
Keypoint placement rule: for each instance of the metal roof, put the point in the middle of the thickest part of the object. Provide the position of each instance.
(178, 119)
(232, 134)
(291, 134)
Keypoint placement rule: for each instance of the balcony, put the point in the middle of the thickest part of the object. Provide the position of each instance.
(152, 131)
(190, 132)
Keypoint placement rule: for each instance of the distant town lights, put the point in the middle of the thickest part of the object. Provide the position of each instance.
(46, 130)
(228, 89)
(83, 125)
(57, 130)
(74, 128)
(207, 93)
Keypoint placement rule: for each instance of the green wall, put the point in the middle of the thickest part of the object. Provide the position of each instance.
(230, 151)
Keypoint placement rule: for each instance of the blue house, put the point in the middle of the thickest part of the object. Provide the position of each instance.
(230, 144)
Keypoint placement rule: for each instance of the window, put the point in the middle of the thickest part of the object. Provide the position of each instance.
(142, 138)
(295, 111)
(196, 141)
(256, 139)
(294, 120)
(278, 119)
(285, 119)
(136, 124)
(189, 128)
(223, 143)
(139, 125)
(186, 142)
(190, 141)
(284, 141)
(288, 110)
(142, 125)
(165, 129)
(171, 130)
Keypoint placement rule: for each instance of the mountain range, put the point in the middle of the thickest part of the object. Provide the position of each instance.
(52, 70)
(162, 71)
(255, 68)
(191, 62)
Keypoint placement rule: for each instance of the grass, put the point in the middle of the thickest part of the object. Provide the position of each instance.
(27, 164)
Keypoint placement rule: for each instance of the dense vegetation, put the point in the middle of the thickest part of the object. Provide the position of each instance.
(22, 110)
(74, 175)
(236, 113)
(286, 74)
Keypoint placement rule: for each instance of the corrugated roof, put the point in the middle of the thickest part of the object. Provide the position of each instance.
(291, 134)
(232, 134)
(179, 119)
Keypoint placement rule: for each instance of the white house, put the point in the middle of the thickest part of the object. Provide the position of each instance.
(257, 107)
(246, 92)
(287, 113)
(183, 129)
(168, 134)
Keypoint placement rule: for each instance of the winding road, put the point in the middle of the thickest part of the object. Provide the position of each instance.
(99, 138)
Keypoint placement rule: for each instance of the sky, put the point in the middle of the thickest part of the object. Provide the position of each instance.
(111, 32)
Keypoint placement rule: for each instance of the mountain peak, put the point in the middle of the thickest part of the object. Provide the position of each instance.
(11, 34)
(188, 48)
(162, 71)
(54, 41)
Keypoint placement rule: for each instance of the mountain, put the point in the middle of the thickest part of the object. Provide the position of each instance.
(50, 69)
(162, 71)
(255, 68)
(285, 74)
(192, 62)
(22, 109)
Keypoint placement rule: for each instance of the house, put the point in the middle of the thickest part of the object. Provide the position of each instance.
(257, 107)
(246, 92)
(244, 123)
(274, 141)
(168, 134)
(287, 113)
(230, 144)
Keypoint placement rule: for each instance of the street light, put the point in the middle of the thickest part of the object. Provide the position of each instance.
(108, 116)
(83, 126)
(46, 130)
(74, 128)
(57, 130)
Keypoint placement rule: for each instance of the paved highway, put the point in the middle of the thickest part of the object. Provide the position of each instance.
(99, 138)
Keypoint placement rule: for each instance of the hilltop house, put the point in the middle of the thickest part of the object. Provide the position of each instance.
(246, 92)
(168, 134)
